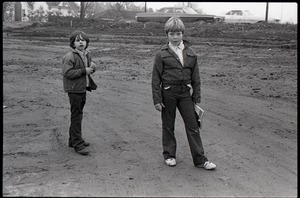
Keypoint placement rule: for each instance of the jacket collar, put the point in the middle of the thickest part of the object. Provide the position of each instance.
(185, 42)
(75, 51)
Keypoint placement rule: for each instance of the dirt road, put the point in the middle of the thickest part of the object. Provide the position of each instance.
(250, 124)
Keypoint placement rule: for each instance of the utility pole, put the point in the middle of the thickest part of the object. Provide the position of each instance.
(281, 12)
(145, 6)
(267, 11)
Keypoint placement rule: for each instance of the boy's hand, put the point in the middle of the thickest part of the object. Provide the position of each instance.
(94, 68)
(159, 106)
(89, 70)
(93, 65)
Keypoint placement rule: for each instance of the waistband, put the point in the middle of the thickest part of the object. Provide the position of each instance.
(176, 82)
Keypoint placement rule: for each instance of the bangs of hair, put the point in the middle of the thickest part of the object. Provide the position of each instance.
(82, 36)
(78, 34)
(174, 24)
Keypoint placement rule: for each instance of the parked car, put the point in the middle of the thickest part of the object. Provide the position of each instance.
(245, 16)
(186, 14)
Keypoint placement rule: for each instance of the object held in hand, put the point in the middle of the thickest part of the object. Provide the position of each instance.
(199, 114)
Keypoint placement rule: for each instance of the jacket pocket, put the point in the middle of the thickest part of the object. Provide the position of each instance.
(170, 61)
(190, 60)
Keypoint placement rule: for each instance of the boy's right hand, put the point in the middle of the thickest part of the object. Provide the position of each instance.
(89, 70)
(93, 65)
(159, 106)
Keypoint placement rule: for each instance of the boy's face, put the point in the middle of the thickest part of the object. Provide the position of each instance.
(80, 43)
(175, 37)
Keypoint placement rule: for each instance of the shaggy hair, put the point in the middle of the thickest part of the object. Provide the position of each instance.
(174, 24)
(78, 34)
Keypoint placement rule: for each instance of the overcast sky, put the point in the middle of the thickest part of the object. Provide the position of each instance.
(286, 12)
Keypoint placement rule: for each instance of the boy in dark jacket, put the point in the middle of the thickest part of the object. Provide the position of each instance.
(175, 75)
(76, 70)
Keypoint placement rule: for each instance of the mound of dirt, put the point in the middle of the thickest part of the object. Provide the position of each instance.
(261, 31)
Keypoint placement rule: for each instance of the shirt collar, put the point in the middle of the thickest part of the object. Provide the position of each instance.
(180, 46)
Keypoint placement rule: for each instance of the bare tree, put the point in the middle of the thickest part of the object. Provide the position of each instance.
(91, 9)
(94, 8)
(5, 6)
(133, 7)
(117, 5)
(83, 8)
(30, 4)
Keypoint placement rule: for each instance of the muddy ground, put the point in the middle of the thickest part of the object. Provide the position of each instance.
(249, 94)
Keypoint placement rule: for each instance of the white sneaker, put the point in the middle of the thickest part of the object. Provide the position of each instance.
(208, 165)
(170, 162)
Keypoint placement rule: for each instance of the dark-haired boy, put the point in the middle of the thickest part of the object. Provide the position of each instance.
(76, 70)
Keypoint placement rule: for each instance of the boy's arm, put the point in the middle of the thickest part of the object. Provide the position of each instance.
(156, 79)
(196, 84)
(68, 68)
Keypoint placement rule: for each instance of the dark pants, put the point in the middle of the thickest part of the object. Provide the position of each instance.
(77, 102)
(179, 96)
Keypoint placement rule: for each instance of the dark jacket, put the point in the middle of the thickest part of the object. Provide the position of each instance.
(74, 73)
(168, 71)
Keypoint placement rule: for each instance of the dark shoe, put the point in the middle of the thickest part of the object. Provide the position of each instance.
(83, 151)
(86, 144)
